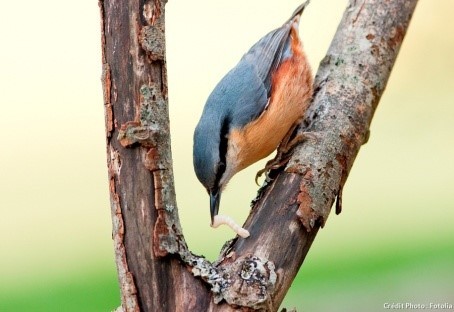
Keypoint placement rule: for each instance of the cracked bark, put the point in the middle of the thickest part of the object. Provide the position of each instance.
(156, 270)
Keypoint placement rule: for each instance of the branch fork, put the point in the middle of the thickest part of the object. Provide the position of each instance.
(155, 267)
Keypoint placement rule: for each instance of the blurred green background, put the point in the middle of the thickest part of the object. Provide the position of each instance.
(392, 243)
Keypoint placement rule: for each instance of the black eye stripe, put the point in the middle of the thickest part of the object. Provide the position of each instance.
(223, 143)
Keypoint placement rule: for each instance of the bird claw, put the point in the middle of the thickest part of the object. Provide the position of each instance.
(272, 164)
(259, 174)
(283, 151)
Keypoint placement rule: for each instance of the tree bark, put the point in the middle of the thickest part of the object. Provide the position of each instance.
(156, 270)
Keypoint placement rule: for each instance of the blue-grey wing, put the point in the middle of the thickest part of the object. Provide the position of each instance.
(268, 53)
(247, 87)
(239, 97)
(242, 95)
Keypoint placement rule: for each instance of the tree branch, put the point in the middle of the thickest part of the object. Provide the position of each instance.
(348, 87)
(155, 267)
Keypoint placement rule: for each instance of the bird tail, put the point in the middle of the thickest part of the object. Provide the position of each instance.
(299, 10)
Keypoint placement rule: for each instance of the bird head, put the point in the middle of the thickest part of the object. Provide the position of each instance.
(209, 155)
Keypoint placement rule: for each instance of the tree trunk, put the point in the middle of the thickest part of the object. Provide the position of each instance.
(156, 270)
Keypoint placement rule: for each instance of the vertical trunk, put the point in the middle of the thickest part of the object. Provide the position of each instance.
(144, 214)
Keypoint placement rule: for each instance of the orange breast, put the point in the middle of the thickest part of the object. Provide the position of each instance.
(290, 96)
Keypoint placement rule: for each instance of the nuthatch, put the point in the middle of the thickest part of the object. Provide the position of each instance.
(252, 108)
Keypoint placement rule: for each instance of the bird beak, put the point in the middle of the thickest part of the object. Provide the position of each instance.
(215, 198)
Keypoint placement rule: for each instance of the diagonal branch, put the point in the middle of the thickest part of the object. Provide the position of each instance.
(348, 87)
(155, 267)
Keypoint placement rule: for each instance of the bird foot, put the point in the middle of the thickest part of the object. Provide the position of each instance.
(283, 151)
(271, 164)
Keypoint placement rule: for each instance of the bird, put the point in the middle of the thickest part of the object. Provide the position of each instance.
(253, 109)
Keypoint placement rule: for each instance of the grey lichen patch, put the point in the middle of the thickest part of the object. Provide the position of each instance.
(151, 106)
(251, 282)
(167, 243)
(211, 274)
(154, 117)
(246, 281)
(152, 127)
(152, 40)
